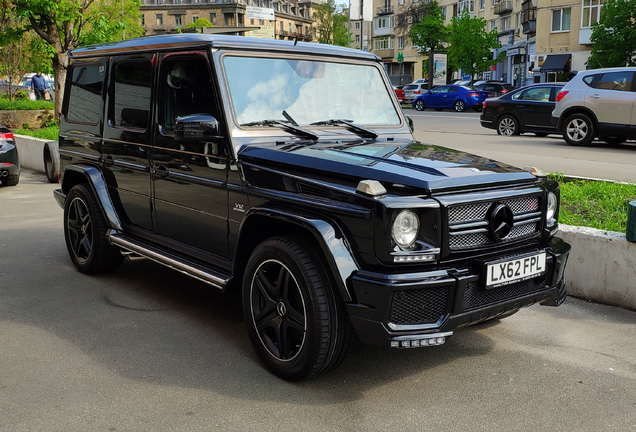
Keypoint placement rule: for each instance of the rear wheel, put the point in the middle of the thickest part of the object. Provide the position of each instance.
(578, 129)
(507, 125)
(419, 105)
(296, 322)
(85, 233)
(460, 105)
(11, 180)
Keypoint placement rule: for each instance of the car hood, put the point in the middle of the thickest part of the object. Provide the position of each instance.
(396, 165)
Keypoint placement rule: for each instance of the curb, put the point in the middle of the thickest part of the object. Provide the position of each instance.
(601, 266)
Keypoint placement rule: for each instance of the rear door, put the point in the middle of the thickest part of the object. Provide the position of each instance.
(612, 100)
(534, 107)
(438, 97)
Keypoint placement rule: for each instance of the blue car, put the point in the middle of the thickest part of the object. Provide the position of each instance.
(460, 98)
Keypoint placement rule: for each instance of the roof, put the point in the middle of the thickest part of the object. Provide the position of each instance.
(183, 40)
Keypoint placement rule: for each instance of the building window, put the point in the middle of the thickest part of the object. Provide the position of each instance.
(159, 2)
(261, 22)
(384, 22)
(357, 38)
(400, 42)
(229, 20)
(561, 19)
(285, 8)
(177, 20)
(290, 29)
(143, 20)
(212, 17)
(241, 21)
(194, 18)
(493, 25)
(177, 1)
(281, 26)
(482, 4)
(505, 24)
(400, 2)
(444, 11)
(382, 43)
(159, 19)
(357, 26)
(465, 4)
(251, 21)
(590, 12)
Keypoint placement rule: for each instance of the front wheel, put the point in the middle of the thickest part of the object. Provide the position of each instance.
(578, 129)
(85, 233)
(460, 105)
(419, 105)
(296, 322)
(507, 126)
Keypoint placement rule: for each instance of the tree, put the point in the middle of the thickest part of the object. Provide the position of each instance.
(425, 25)
(325, 15)
(471, 46)
(200, 22)
(341, 28)
(68, 24)
(614, 35)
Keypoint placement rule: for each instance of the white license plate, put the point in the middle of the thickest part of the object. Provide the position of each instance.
(514, 270)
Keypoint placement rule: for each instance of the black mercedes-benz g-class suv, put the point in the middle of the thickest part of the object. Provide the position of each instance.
(289, 172)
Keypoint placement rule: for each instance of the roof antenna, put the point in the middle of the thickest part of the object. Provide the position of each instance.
(296, 40)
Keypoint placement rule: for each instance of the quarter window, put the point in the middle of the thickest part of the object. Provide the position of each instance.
(561, 19)
(130, 102)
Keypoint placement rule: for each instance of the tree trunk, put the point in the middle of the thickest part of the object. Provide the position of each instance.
(60, 65)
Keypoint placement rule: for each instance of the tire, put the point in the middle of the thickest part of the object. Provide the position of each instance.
(52, 161)
(460, 105)
(578, 129)
(11, 180)
(420, 105)
(541, 134)
(300, 328)
(85, 233)
(614, 140)
(507, 126)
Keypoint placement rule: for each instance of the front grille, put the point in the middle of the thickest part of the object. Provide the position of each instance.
(468, 223)
(477, 296)
(422, 306)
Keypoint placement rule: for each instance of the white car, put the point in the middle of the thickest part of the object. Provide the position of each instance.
(597, 103)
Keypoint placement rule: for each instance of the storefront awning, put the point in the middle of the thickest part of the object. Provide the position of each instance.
(555, 63)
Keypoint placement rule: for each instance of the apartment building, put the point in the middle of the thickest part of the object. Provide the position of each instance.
(360, 32)
(293, 17)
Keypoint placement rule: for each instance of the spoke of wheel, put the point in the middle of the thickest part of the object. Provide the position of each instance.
(265, 287)
(282, 342)
(281, 282)
(266, 319)
(295, 319)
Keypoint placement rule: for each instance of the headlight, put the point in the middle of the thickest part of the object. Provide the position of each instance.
(405, 229)
(552, 206)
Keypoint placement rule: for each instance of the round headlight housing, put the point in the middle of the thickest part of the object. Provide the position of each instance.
(552, 206)
(405, 229)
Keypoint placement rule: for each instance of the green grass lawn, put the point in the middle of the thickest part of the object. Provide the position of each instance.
(49, 133)
(25, 104)
(595, 204)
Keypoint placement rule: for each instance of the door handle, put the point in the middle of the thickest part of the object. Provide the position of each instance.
(595, 96)
(161, 172)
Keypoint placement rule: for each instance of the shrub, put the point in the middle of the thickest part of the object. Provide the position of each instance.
(21, 94)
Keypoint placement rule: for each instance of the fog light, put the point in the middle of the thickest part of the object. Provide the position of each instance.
(406, 344)
(414, 258)
(440, 340)
(395, 344)
(415, 343)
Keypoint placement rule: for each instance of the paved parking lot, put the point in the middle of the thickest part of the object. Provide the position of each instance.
(148, 349)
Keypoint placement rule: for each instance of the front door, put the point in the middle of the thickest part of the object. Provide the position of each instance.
(190, 178)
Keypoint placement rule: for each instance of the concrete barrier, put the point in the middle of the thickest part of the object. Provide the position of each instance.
(601, 267)
(31, 152)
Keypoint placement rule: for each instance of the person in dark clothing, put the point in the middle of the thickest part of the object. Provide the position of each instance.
(38, 85)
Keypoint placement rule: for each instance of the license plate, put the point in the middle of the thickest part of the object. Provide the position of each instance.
(518, 269)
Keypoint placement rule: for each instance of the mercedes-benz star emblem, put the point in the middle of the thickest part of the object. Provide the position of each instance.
(281, 309)
(501, 221)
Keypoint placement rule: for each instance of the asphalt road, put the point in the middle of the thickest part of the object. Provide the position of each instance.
(148, 349)
(463, 131)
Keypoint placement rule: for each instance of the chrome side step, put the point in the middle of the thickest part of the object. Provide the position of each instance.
(175, 262)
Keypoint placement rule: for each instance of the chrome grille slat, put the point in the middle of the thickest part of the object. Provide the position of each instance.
(463, 218)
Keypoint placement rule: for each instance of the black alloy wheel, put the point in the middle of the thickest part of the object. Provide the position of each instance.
(578, 129)
(460, 105)
(85, 233)
(296, 322)
(507, 126)
(420, 105)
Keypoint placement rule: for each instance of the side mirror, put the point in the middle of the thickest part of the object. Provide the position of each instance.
(411, 125)
(197, 128)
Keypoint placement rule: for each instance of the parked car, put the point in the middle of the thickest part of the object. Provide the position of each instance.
(400, 94)
(411, 91)
(328, 228)
(450, 96)
(494, 88)
(9, 159)
(597, 103)
(528, 109)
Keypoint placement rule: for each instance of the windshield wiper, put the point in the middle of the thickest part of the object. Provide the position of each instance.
(288, 127)
(349, 125)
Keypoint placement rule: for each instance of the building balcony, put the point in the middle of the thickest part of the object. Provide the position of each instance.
(386, 31)
(385, 53)
(503, 7)
(308, 37)
(529, 27)
(385, 10)
(159, 27)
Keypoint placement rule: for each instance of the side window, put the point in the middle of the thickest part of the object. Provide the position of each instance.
(541, 94)
(621, 81)
(86, 91)
(589, 80)
(186, 88)
(453, 89)
(130, 101)
(439, 90)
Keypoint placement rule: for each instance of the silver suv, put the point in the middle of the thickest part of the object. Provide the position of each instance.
(597, 103)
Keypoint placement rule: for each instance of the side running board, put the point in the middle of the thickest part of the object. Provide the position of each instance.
(169, 259)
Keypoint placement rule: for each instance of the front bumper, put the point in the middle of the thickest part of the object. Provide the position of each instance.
(395, 307)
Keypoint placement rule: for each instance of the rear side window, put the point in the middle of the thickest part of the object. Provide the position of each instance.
(589, 80)
(540, 94)
(86, 92)
(130, 106)
(621, 81)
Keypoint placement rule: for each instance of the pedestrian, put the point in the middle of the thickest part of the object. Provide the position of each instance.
(38, 85)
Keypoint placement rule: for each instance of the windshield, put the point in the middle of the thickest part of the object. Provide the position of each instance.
(307, 91)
